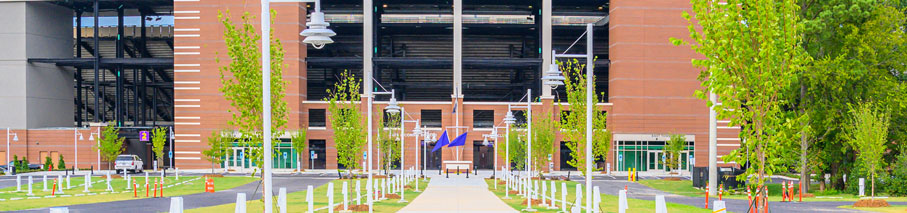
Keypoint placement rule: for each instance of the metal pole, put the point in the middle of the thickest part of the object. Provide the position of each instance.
(507, 159)
(529, 148)
(713, 145)
(75, 147)
(590, 86)
(98, 144)
(171, 147)
(8, 167)
(402, 152)
(266, 99)
(367, 52)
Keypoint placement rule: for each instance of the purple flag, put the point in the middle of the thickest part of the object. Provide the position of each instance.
(459, 141)
(443, 141)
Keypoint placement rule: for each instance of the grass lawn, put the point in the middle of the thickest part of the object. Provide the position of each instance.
(609, 202)
(296, 201)
(118, 185)
(899, 209)
(685, 188)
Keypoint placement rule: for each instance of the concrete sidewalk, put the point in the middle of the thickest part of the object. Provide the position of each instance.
(457, 194)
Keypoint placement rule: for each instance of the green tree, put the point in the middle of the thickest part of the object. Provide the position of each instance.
(48, 163)
(859, 56)
(111, 144)
(298, 142)
(61, 164)
(158, 139)
(517, 145)
(219, 144)
(346, 121)
(752, 59)
(867, 134)
(241, 85)
(672, 149)
(387, 142)
(573, 125)
(543, 128)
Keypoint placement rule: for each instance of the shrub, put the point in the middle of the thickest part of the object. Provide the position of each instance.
(61, 165)
(895, 186)
(48, 163)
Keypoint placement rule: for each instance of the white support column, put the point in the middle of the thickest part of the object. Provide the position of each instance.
(713, 145)
(266, 99)
(367, 54)
(590, 103)
(546, 44)
(458, 50)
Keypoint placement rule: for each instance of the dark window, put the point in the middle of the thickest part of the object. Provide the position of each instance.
(565, 114)
(318, 148)
(566, 157)
(316, 118)
(520, 117)
(483, 119)
(431, 118)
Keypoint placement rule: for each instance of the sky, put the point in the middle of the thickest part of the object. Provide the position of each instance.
(127, 20)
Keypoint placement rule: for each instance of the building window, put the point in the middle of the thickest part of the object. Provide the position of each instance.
(482, 118)
(431, 118)
(316, 118)
(520, 117)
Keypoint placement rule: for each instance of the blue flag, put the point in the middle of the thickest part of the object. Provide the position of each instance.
(459, 141)
(443, 141)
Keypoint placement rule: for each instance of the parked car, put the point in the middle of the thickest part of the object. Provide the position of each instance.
(130, 163)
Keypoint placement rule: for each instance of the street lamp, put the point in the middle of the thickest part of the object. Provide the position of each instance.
(9, 168)
(508, 120)
(75, 147)
(98, 144)
(528, 168)
(320, 36)
(590, 66)
(390, 108)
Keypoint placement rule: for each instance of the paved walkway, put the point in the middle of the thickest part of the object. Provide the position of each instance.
(457, 194)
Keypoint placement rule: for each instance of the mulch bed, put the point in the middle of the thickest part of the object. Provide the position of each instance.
(871, 203)
(213, 175)
(513, 192)
(535, 202)
(501, 182)
(379, 176)
(673, 179)
(392, 196)
(116, 176)
(408, 187)
(355, 208)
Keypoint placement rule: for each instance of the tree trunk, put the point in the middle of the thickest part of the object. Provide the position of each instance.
(804, 169)
(873, 186)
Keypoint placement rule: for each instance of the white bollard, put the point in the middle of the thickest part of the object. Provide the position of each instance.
(622, 201)
(128, 182)
(18, 183)
(68, 184)
(358, 192)
(109, 188)
(383, 188)
(535, 190)
(86, 180)
(60, 184)
(596, 199)
(563, 197)
(579, 196)
(45, 183)
(331, 197)
(176, 205)
(282, 199)
(345, 193)
(146, 178)
(310, 199)
(240, 203)
(660, 205)
(177, 173)
(553, 198)
(29, 186)
(719, 207)
(544, 193)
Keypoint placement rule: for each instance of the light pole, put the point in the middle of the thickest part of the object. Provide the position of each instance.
(171, 147)
(390, 108)
(318, 35)
(495, 136)
(9, 168)
(402, 150)
(508, 120)
(528, 168)
(97, 144)
(75, 146)
(590, 66)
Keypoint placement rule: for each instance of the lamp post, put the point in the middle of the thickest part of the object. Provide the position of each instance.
(528, 168)
(508, 120)
(590, 66)
(97, 144)
(9, 168)
(75, 146)
(317, 35)
(392, 108)
(495, 136)
(170, 155)
(403, 122)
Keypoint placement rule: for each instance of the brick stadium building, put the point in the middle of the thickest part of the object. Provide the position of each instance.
(167, 75)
